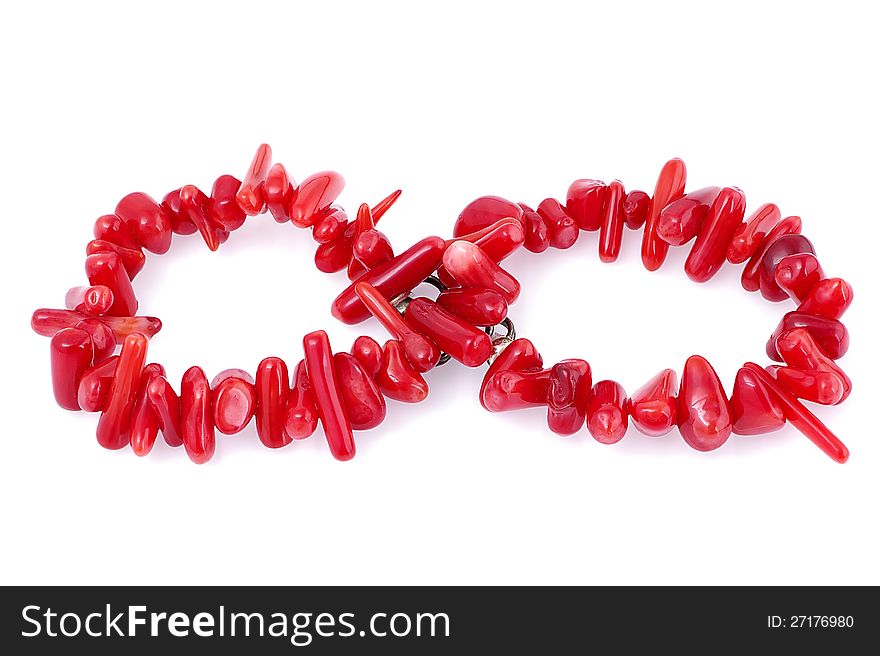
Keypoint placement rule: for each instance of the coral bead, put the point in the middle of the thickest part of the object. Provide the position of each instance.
(251, 196)
(315, 193)
(47, 322)
(754, 409)
(810, 374)
(653, 406)
(106, 269)
(94, 385)
(272, 389)
(94, 300)
(180, 223)
(562, 230)
(331, 225)
(319, 366)
(222, 206)
(636, 206)
(710, 249)
(70, 357)
(368, 352)
(234, 399)
(829, 298)
(584, 202)
(520, 355)
(397, 378)
(483, 212)
(364, 404)
(114, 424)
(133, 260)
(512, 390)
(144, 420)
(611, 230)
(681, 220)
(607, 415)
(460, 339)
(570, 382)
(704, 417)
(196, 416)
(278, 192)
(166, 405)
(797, 274)
(830, 335)
(669, 187)
(750, 235)
(783, 247)
(113, 229)
(751, 275)
(302, 410)
(195, 205)
(471, 267)
(148, 222)
(102, 338)
(537, 236)
(480, 307)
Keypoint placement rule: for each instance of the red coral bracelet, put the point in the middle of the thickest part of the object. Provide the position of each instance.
(346, 391)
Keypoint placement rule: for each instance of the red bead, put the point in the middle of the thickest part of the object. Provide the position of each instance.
(570, 382)
(278, 192)
(71, 355)
(364, 404)
(314, 194)
(47, 322)
(302, 411)
(331, 226)
(93, 301)
(829, 298)
(499, 240)
(397, 378)
(106, 269)
(272, 388)
(810, 374)
(132, 260)
(144, 420)
(196, 416)
(194, 204)
(147, 221)
(392, 279)
(830, 335)
(801, 418)
(113, 229)
(379, 209)
(537, 237)
(223, 207)
(234, 399)
(781, 248)
(335, 255)
(325, 387)
(483, 212)
(710, 249)
(519, 355)
(368, 352)
(562, 230)
(180, 223)
(611, 230)
(166, 405)
(607, 412)
(372, 248)
(704, 418)
(480, 307)
(754, 409)
(471, 267)
(669, 187)
(797, 274)
(653, 406)
(636, 206)
(751, 275)
(102, 338)
(584, 202)
(251, 196)
(681, 220)
(355, 269)
(114, 424)
(750, 235)
(94, 385)
(461, 340)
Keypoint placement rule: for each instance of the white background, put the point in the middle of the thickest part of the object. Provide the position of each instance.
(448, 102)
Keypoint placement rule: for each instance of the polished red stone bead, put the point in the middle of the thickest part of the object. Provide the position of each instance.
(114, 423)
(355, 269)
(754, 409)
(180, 223)
(636, 206)
(584, 202)
(512, 390)
(797, 274)
(458, 338)
(166, 405)
(483, 212)
(519, 355)
(810, 374)
(102, 337)
(331, 226)
(499, 240)
(364, 404)
(106, 269)
(196, 416)
(144, 420)
(70, 356)
(611, 230)
(537, 237)
(94, 385)
(223, 207)
(194, 203)
(420, 350)
(113, 229)
(681, 220)
(397, 378)
(562, 230)
(801, 418)
(750, 235)
(335, 255)
(133, 260)
(370, 247)
(607, 415)
(570, 382)
(148, 222)
(379, 209)
(251, 197)
(781, 248)
(272, 389)
(653, 407)
(480, 307)
(93, 301)
(471, 267)
(829, 298)
(278, 191)
(830, 335)
(704, 418)
(302, 410)
(392, 279)
(751, 275)
(234, 399)
(368, 352)
(47, 322)
(314, 194)
(325, 387)
(669, 187)
(710, 249)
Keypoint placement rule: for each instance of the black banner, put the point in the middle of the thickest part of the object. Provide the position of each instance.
(433, 620)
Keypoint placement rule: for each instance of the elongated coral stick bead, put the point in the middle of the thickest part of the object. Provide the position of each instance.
(751, 275)
(319, 366)
(704, 418)
(314, 194)
(106, 269)
(144, 420)
(166, 405)
(480, 307)
(471, 267)
(114, 423)
(460, 339)
(710, 249)
(670, 185)
(251, 195)
(47, 322)
(196, 416)
(611, 230)
(364, 404)
(829, 298)
(750, 235)
(272, 387)
(70, 355)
